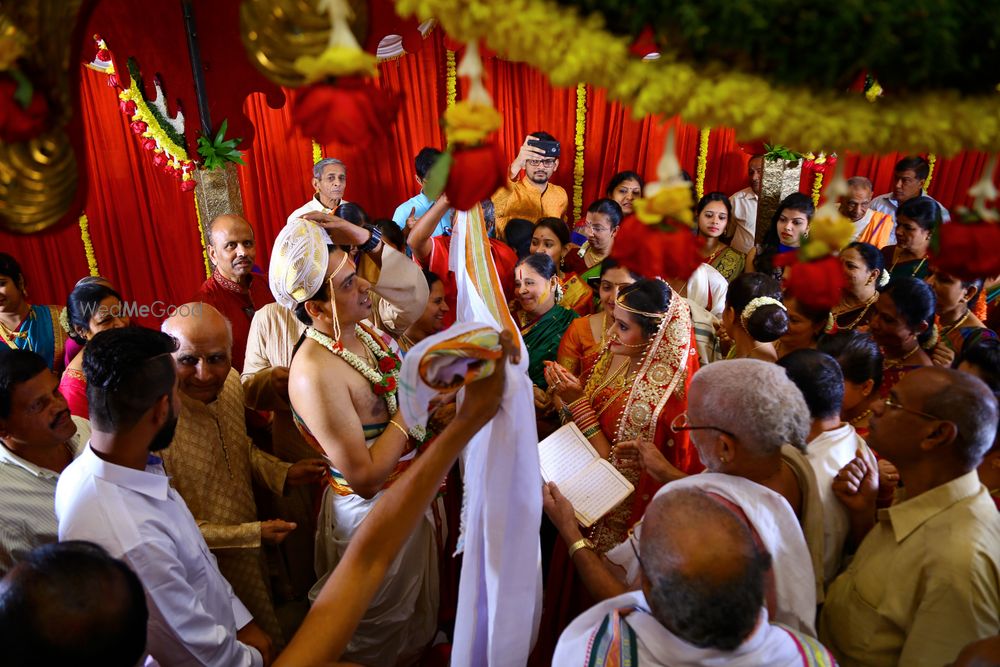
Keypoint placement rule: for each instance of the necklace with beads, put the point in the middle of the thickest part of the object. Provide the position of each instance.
(384, 379)
(860, 418)
(864, 310)
(958, 324)
(899, 362)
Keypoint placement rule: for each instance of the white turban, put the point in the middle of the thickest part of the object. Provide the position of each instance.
(299, 262)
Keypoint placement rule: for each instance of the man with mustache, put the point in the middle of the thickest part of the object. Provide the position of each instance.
(38, 439)
(117, 495)
(233, 288)
(329, 180)
(212, 462)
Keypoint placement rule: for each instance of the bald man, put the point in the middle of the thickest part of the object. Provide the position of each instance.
(701, 601)
(213, 464)
(233, 287)
(925, 580)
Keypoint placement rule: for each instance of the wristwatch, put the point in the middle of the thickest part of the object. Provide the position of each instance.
(373, 240)
(580, 544)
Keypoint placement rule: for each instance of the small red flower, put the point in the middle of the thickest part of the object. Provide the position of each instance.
(159, 160)
(387, 364)
(817, 284)
(104, 55)
(138, 126)
(149, 144)
(112, 80)
(475, 174)
(390, 384)
(187, 186)
(19, 123)
(128, 107)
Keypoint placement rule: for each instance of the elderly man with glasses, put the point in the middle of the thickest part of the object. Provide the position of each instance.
(925, 580)
(531, 196)
(748, 441)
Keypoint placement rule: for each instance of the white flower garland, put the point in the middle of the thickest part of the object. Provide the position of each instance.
(373, 375)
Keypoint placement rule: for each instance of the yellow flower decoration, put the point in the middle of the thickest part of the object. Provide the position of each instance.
(88, 245)
(712, 96)
(11, 48)
(699, 179)
(337, 61)
(469, 123)
(672, 201)
(578, 142)
(450, 79)
(829, 232)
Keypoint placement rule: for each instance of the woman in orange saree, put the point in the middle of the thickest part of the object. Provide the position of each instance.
(637, 387)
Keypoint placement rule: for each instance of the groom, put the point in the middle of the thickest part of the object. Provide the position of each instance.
(342, 388)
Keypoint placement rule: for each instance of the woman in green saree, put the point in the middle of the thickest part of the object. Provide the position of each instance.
(541, 319)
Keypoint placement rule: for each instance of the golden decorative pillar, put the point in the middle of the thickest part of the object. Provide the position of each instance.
(218, 193)
(780, 179)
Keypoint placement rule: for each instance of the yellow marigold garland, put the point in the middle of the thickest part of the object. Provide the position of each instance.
(817, 187)
(710, 97)
(201, 236)
(88, 244)
(699, 180)
(931, 159)
(581, 132)
(451, 79)
(317, 152)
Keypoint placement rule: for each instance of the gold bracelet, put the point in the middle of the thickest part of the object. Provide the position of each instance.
(401, 429)
(583, 543)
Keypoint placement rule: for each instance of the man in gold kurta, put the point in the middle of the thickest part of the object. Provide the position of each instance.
(531, 196)
(926, 579)
(213, 464)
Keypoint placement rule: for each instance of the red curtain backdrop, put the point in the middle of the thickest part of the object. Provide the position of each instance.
(144, 229)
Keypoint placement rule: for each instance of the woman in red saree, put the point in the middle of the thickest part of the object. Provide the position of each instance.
(634, 392)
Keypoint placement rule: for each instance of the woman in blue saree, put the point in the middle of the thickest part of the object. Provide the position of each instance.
(24, 326)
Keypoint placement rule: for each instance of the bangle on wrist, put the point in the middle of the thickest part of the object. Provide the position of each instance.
(582, 543)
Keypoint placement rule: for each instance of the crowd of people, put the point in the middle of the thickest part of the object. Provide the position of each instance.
(240, 487)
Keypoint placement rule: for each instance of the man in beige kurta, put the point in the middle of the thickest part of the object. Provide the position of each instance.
(399, 297)
(213, 464)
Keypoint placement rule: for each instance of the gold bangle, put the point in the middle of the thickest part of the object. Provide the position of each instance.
(401, 429)
(583, 543)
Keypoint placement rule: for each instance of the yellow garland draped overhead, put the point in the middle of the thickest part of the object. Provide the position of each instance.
(88, 244)
(940, 122)
(699, 179)
(581, 131)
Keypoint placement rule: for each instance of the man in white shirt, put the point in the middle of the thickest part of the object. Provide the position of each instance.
(908, 181)
(38, 439)
(701, 601)
(329, 180)
(832, 443)
(743, 223)
(117, 495)
(416, 206)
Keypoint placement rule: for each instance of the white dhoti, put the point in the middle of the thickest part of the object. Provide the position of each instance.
(401, 620)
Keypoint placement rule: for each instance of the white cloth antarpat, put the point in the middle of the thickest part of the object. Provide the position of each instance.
(299, 261)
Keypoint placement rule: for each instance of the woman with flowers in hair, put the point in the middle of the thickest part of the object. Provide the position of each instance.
(636, 389)
(864, 275)
(754, 317)
(551, 237)
(903, 326)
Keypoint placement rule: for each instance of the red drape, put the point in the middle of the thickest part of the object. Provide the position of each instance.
(144, 230)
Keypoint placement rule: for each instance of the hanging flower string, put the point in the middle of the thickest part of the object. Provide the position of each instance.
(201, 237)
(699, 180)
(967, 248)
(931, 161)
(578, 162)
(317, 151)
(343, 56)
(450, 81)
(88, 245)
(384, 379)
(167, 154)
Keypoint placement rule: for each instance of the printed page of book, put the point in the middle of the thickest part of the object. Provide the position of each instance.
(564, 454)
(595, 491)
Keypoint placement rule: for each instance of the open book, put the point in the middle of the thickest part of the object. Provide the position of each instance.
(588, 481)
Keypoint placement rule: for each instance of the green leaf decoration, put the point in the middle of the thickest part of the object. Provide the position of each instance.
(437, 176)
(776, 152)
(24, 91)
(217, 151)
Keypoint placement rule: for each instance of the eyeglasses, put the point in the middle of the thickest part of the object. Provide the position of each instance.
(892, 403)
(597, 229)
(681, 423)
(548, 162)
